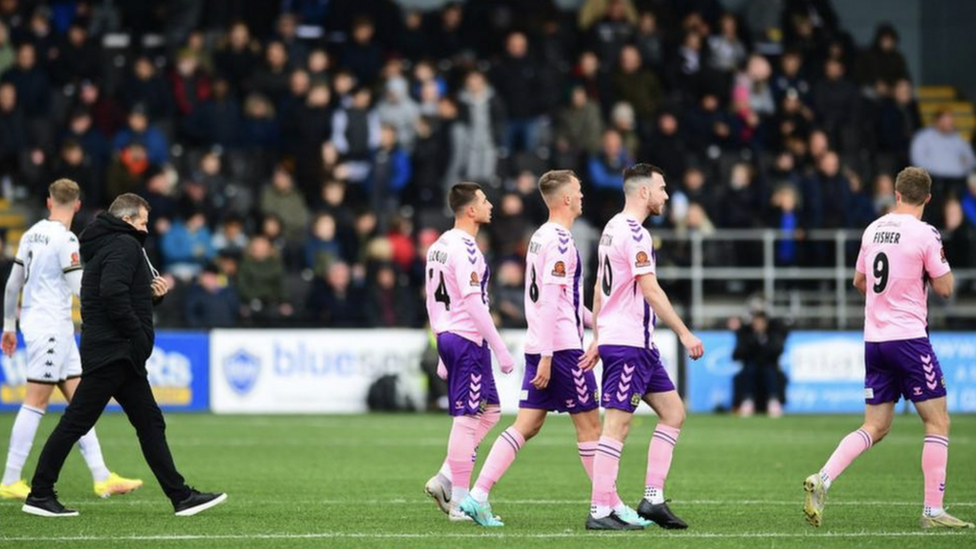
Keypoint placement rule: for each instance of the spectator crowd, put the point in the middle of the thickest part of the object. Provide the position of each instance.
(296, 153)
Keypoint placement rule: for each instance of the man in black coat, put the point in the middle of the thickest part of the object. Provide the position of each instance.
(118, 289)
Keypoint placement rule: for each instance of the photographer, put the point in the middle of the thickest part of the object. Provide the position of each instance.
(758, 345)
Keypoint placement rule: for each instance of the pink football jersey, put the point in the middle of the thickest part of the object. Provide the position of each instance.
(898, 255)
(455, 269)
(552, 259)
(625, 253)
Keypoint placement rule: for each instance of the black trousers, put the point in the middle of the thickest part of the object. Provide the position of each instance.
(132, 391)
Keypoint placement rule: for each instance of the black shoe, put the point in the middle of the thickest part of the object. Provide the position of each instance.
(47, 507)
(198, 502)
(610, 522)
(660, 515)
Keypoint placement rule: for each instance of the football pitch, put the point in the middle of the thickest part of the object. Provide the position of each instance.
(357, 481)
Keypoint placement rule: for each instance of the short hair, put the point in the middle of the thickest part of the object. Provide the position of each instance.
(634, 174)
(128, 204)
(914, 184)
(64, 192)
(553, 180)
(461, 195)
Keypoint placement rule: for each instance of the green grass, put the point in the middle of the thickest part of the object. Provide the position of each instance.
(358, 482)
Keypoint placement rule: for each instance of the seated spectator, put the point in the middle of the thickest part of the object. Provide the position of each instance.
(727, 51)
(389, 304)
(637, 85)
(579, 124)
(140, 131)
(334, 300)
(147, 89)
(261, 283)
(508, 295)
(190, 83)
(517, 79)
(92, 141)
(31, 81)
(665, 147)
(960, 235)
(791, 77)
(836, 101)
(606, 168)
(882, 62)
(259, 129)
(482, 120)
(322, 248)
(127, 171)
(708, 128)
(363, 55)
(187, 246)
(271, 80)
(285, 202)
(356, 133)
(390, 175)
(216, 120)
(399, 111)
(13, 128)
(211, 302)
(230, 237)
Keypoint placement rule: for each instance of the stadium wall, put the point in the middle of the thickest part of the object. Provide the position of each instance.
(330, 371)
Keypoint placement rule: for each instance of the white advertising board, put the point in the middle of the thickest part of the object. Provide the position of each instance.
(330, 371)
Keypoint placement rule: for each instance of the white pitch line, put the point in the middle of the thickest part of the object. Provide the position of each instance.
(562, 534)
(707, 502)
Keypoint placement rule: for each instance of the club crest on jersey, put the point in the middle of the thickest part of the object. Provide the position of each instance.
(559, 269)
(475, 281)
(642, 260)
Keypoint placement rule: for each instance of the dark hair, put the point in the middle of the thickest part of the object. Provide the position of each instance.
(128, 204)
(553, 180)
(914, 185)
(641, 170)
(461, 195)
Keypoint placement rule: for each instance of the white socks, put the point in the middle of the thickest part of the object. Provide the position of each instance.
(21, 440)
(932, 511)
(654, 495)
(92, 452)
(825, 478)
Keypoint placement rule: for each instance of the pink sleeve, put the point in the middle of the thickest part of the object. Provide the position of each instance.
(482, 321)
(548, 305)
(934, 256)
(859, 267)
(587, 318)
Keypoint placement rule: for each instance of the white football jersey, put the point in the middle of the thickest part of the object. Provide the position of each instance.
(47, 251)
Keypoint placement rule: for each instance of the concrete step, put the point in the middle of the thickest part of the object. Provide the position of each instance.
(930, 93)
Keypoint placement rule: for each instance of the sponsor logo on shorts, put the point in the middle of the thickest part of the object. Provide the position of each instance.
(570, 403)
(458, 404)
(917, 391)
(524, 395)
(559, 269)
(635, 400)
(642, 260)
(868, 392)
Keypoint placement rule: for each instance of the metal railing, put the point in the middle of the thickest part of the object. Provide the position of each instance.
(845, 306)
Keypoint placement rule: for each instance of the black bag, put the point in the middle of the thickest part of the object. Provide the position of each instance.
(387, 395)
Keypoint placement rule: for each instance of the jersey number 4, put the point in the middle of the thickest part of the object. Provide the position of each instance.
(440, 294)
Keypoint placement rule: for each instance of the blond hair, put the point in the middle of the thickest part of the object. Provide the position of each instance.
(64, 192)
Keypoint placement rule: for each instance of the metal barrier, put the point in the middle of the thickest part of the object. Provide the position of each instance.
(844, 308)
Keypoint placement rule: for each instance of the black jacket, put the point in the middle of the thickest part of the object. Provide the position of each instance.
(116, 296)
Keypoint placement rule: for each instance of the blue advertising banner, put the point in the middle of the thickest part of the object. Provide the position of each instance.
(179, 372)
(825, 371)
